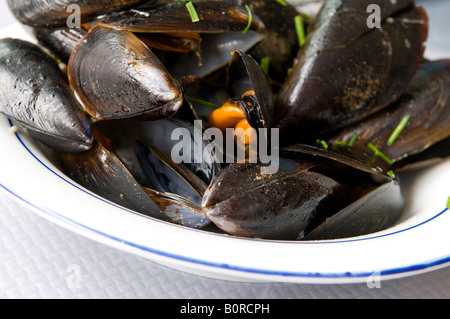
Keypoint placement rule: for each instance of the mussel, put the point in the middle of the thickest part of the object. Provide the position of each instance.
(179, 210)
(249, 89)
(167, 176)
(245, 75)
(36, 96)
(214, 16)
(168, 136)
(348, 70)
(101, 172)
(145, 149)
(55, 13)
(424, 109)
(247, 115)
(188, 48)
(116, 76)
(311, 187)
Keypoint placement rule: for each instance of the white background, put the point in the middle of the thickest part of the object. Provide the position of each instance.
(36, 256)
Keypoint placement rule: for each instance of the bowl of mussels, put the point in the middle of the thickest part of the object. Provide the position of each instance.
(255, 140)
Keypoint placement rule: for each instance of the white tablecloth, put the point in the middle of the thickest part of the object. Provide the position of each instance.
(37, 260)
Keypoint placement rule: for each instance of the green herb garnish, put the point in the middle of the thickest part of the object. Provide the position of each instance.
(340, 144)
(192, 12)
(401, 126)
(250, 19)
(448, 203)
(203, 102)
(391, 174)
(353, 140)
(300, 29)
(379, 153)
(265, 63)
(282, 2)
(323, 144)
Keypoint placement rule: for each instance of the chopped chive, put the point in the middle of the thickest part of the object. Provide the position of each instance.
(265, 63)
(448, 202)
(192, 12)
(203, 102)
(339, 144)
(300, 29)
(401, 126)
(250, 18)
(391, 174)
(282, 2)
(379, 153)
(288, 72)
(323, 144)
(353, 140)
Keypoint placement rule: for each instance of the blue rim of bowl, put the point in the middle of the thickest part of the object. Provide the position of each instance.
(345, 275)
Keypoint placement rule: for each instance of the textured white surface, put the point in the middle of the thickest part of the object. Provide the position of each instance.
(36, 257)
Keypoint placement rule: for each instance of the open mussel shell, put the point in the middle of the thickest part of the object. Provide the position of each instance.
(116, 76)
(245, 74)
(57, 13)
(36, 96)
(167, 176)
(310, 188)
(214, 54)
(346, 70)
(243, 202)
(215, 16)
(377, 210)
(179, 209)
(356, 158)
(374, 212)
(165, 135)
(426, 103)
(101, 172)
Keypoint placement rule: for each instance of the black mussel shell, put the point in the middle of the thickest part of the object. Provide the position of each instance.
(245, 74)
(35, 94)
(215, 16)
(179, 209)
(284, 205)
(123, 134)
(101, 172)
(213, 55)
(167, 176)
(374, 212)
(312, 186)
(346, 70)
(116, 76)
(426, 104)
(57, 13)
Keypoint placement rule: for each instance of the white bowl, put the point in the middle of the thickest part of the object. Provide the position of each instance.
(418, 243)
